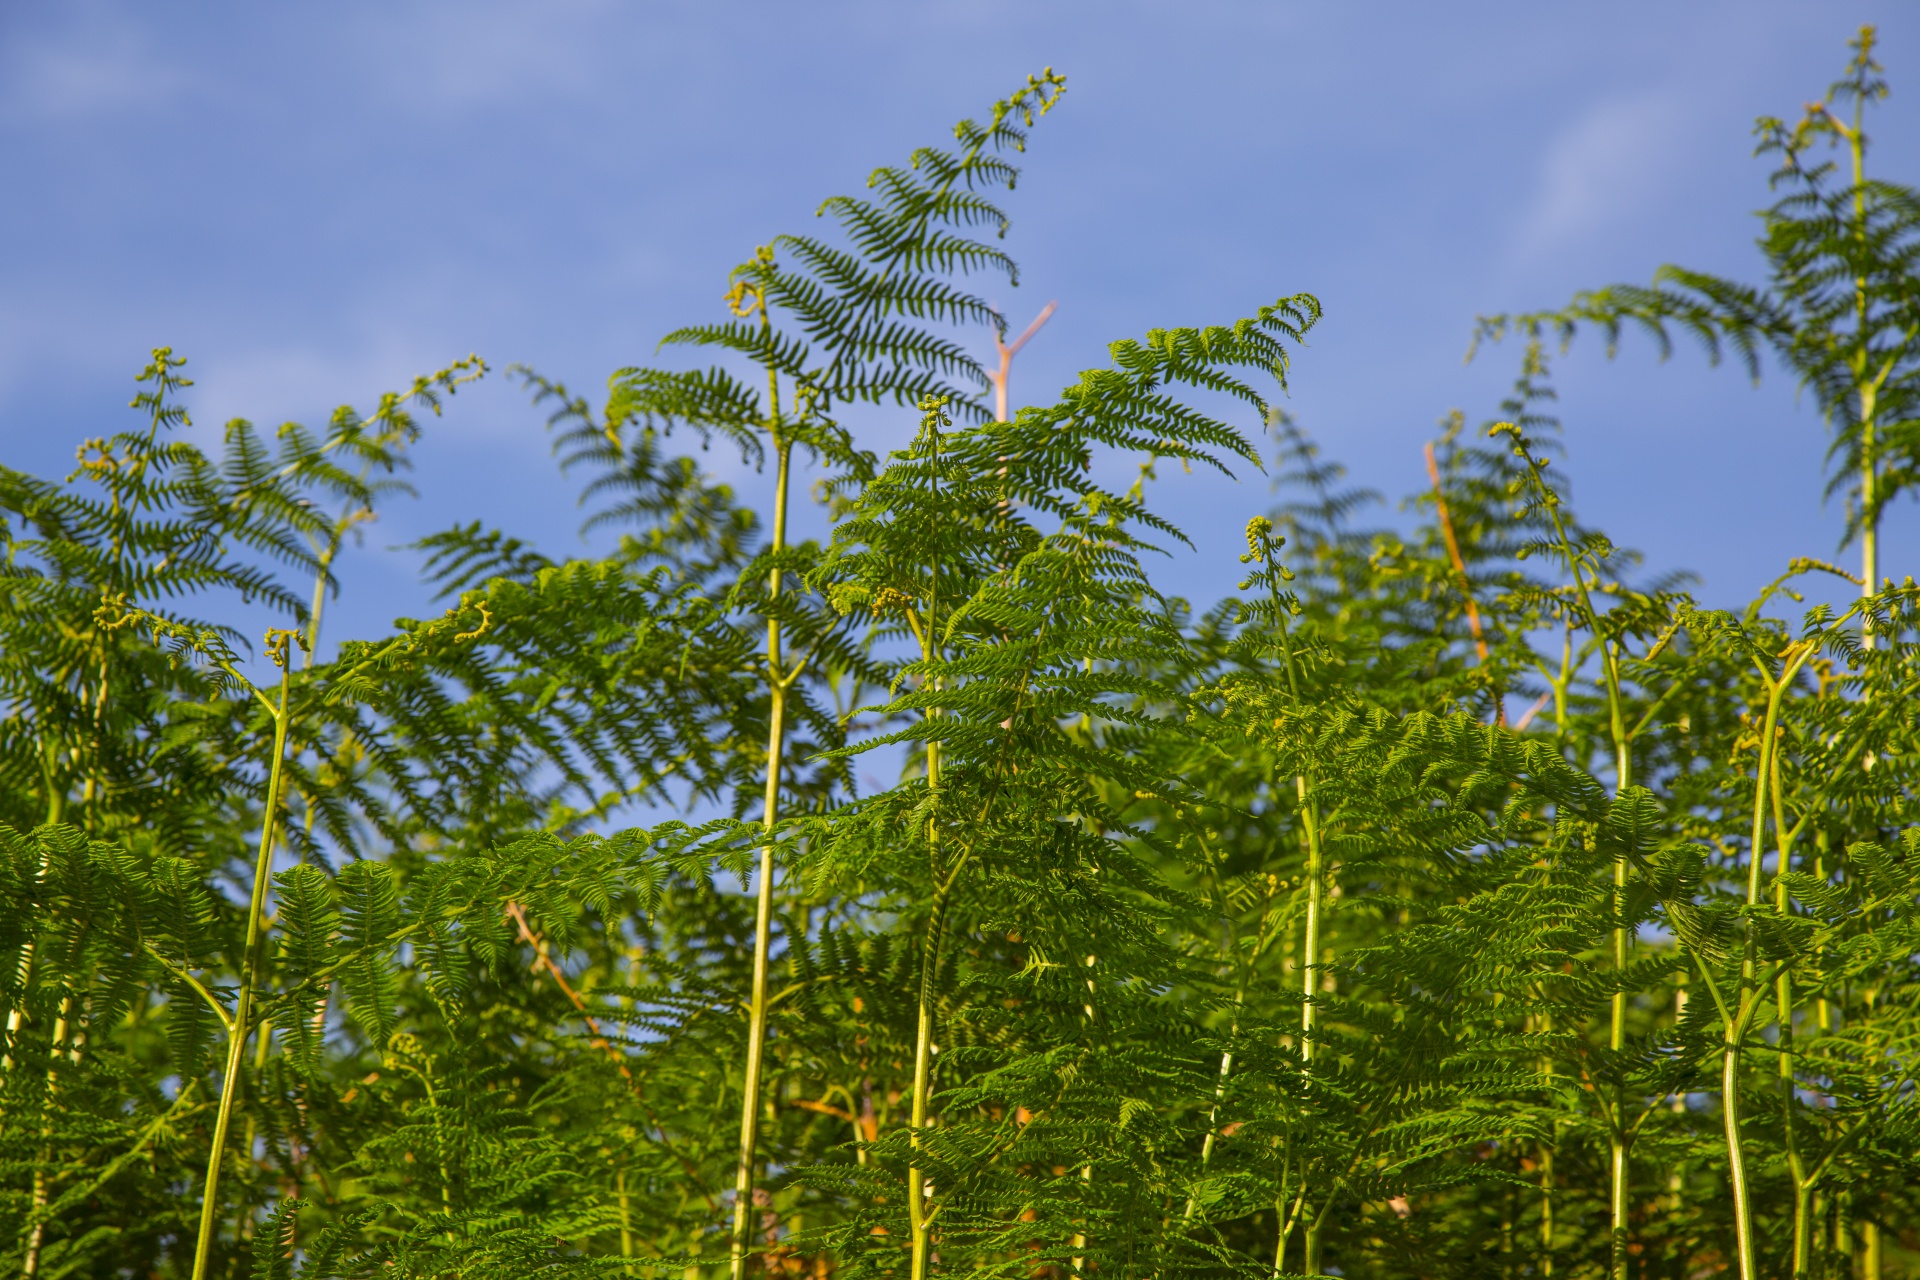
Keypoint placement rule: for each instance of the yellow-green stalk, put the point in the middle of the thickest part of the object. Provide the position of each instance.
(919, 1213)
(239, 1025)
(745, 302)
(1617, 1149)
(1748, 998)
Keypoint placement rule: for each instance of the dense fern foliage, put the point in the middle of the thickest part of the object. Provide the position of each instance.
(1453, 901)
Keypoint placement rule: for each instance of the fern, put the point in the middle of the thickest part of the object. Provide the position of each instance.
(1455, 900)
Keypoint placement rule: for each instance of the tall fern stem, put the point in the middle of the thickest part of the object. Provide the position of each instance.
(238, 1026)
(1618, 1154)
(1869, 387)
(1747, 999)
(1804, 1183)
(779, 680)
(1245, 966)
(919, 1214)
(1262, 546)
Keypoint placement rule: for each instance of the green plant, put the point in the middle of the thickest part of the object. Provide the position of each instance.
(1839, 309)
(1454, 901)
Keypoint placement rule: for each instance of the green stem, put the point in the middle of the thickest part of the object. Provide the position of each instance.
(1310, 958)
(1617, 1138)
(626, 1213)
(1803, 1182)
(763, 904)
(1747, 998)
(1303, 788)
(1233, 1031)
(42, 1184)
(1287, 1217)
(920, 1217)
(1736, 1154)
(1546, 1208)
(919, 1214)
(260, 1047)
(1311, 1244)
(1868, 389)
(1305, 796)
(249, 967)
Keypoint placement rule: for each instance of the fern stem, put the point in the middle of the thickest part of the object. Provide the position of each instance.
(1309, 815)
(626, 1212)
(922, 1074)
(1803, 1184)
(1283, 1230)
(249, 965)
(918, 1216)
(1868, 388)
(41, 1183)
(1219, 1092)
(1286, 1217)
(1262, 546)
(1312, 1242)
(1736, 1153)
(1466, 583)
(763, 904)
(1546, 1209)
(1310, 947)
(260, 1048)
(324, 565)
(1262, 934)
(1869, 523)
(1617, 1144)
(1745, 1002)
(1080, 1237)
(23, 973)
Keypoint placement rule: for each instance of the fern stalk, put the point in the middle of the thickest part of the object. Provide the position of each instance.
(1747, 999)
(778, 682)
(41, 1183)
(1262, 544)
(1803, 1182)
(1546, 1209)
(1868, 387)
(15, 1022)
(1617, 1146)
(919, 1215)
(1245, 975)
(1460, 569)
(237, 1027)
(1310, 968)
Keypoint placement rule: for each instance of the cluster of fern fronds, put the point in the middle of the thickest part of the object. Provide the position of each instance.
(1453, 901)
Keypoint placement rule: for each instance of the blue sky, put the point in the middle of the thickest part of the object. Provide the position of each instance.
(315, 202)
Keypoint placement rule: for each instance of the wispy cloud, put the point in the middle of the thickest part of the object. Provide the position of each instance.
(1607, 165)
(454, 57)
(82, 69)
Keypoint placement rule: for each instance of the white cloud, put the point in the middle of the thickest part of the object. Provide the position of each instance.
(269, 385)
(1610, 163)
(454, 57)
(81, 69)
